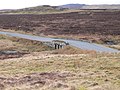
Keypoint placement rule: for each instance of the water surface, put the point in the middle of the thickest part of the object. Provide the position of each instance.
(75, 43)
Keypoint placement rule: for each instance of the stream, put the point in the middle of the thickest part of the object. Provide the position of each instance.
(75, 43)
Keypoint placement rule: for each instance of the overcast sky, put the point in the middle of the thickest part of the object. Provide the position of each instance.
(16, 4)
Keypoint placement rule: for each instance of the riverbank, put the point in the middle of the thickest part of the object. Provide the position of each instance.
(75, 43)
(14, 47)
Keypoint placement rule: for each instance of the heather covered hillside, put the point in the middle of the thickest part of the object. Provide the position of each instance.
(95, 25)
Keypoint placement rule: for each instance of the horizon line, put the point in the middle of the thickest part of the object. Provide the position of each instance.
(52, 5)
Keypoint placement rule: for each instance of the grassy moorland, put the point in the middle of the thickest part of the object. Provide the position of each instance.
(64, 69)
(39, 67)
(40, 71)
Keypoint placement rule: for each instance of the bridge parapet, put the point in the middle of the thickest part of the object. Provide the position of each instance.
(57, 44)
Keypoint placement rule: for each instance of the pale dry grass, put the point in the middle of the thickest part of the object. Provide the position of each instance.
(89, 72)
(73, 50)
(6, 44)
(80, 69)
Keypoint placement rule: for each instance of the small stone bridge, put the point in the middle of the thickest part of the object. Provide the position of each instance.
(57, 44)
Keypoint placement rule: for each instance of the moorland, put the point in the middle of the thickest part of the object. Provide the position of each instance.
(32, 65)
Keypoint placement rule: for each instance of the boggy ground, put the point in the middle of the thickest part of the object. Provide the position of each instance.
(48, 71)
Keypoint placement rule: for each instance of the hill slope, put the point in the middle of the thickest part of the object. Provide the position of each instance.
(101, 7)
(36, 10)
(72, 6)
(83, 6)
(47, 9)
